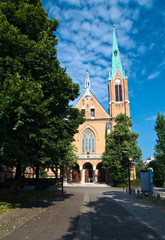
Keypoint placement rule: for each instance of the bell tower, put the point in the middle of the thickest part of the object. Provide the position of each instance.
(118, 85)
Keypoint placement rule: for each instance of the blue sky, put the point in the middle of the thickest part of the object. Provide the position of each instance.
(85, 42)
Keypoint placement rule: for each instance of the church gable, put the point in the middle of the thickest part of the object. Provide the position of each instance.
(91, 107)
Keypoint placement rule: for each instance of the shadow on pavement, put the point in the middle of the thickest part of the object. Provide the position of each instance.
(109, 220)
(29, 216)
(71, 235)
(48, 201)
(112, 221)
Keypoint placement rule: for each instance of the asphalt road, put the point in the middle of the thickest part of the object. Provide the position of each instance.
(84, 213)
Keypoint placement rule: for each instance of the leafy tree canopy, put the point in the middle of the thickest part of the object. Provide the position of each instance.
(140, 166)
(121, 148)
(37, 122)
(159, 164)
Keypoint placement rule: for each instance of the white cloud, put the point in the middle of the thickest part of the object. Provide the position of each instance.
(115, 14)
(152, 118)
(135, 31)
(86, 26)
(141, 49)
(72, 2)
(162, 64)
(143, 71)
(151, 46)
(146, 3)
(126, 42)
(126, 24)
(135, 14)
(53, 10)
(153, 75)
(131, 94)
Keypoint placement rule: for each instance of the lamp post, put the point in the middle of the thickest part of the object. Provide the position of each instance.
(62, 179)
(129, 182)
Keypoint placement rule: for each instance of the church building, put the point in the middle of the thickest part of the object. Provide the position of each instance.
(91, 137)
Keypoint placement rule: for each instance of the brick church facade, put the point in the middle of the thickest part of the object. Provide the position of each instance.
(91, 137)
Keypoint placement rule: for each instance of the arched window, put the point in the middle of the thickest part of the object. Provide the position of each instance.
(88, 141)
(118, 91)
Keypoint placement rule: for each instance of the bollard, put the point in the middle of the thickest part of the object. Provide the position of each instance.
(150, 196)
(158, 199)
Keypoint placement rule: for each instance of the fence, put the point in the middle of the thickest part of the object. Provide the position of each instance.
(157, 196)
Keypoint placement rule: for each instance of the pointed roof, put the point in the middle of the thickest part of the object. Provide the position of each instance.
(87, 86)
(116, 61)
(87, 81)
(87, 94)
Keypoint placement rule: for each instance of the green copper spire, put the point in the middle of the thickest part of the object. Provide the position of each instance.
(116, 61)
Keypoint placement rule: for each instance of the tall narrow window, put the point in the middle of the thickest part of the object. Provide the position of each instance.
(88, 141)
(92, 112)
(118, 91)
(83, 111)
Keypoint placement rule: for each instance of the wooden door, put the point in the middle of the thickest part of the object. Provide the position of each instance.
(86, 175)
(75, 176)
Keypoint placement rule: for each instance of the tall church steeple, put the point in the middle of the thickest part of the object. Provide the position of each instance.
(118, 86)
(116, 61)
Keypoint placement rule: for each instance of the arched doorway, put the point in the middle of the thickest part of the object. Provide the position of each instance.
(75, 174)
(88, 172)
(101, 173)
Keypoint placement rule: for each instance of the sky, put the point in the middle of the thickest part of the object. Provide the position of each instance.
(85, 43)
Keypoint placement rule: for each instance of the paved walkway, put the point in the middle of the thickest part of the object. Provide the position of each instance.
(151, 215)
(83, 214)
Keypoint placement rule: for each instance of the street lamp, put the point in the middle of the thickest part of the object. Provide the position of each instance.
(129, 182)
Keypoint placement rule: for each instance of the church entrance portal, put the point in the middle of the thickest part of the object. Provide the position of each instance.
(88, 172)
(76, 174)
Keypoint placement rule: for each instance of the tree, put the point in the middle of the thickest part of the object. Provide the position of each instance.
(140, 166)
(36, 118)
(121, 149)
(159, 164)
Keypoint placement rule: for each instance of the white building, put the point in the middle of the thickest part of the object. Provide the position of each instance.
(148, 160)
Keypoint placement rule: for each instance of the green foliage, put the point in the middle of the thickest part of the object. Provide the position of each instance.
(135, 183)
(159, 164)
(121, 149)
(43, 173)
(140, 166)
(36, 118)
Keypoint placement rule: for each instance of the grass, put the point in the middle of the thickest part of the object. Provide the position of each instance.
(135, 183)
(9, 200)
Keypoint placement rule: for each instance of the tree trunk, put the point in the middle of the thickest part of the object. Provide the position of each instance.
(17, 178)
(55, 171)
(37, 187)
(62, 179)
